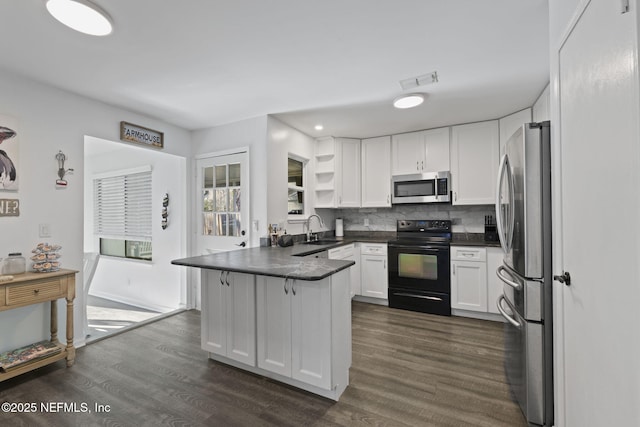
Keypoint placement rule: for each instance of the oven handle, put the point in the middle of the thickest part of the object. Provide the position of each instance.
(402, 294)
(509, 319)
(509, 281)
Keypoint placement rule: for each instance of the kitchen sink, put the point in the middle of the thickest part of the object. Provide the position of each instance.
(322, 242)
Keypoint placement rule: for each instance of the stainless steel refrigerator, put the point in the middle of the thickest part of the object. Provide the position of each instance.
(523, 213)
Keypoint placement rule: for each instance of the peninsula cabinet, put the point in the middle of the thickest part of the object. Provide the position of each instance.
(228, 315)
(376, 172)
(304, 332)
(474, 163)
(419, 152)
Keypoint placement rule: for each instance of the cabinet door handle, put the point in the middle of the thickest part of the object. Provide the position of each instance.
(226, 279)
(422, 164)
(454, 269)
(221, 281)
(286, 291)
(455, 196)
(387, 199)
(293, 287)
(417, 165)
(385, 264)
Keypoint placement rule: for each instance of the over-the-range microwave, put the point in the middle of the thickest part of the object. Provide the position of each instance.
(421, 188)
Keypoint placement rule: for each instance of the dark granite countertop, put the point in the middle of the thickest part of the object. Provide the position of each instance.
(290, 263)
(267, 261)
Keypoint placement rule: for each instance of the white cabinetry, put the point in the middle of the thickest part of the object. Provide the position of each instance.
(337, 172)
(301, 331)
(376, 172)
(325, 173)
(228, 322)
(474, 162)
(494, 285)
(418, 152)
(350, 252)
(510, 124)
(541, 107)
(348, 172)
(373, 270)
(469, 278)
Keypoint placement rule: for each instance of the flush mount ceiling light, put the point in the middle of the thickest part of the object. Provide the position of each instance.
(82, 16)
(408, 101)
(318, 127)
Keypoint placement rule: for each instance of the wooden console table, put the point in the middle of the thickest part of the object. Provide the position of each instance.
(34, 288)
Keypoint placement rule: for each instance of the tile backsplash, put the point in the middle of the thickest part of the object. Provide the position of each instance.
(465, 219)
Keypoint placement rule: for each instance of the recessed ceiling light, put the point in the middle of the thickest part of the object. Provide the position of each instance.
(81, 15)
(318, 127)
(408, 101)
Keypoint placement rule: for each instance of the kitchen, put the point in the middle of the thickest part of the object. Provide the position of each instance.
(21, 97)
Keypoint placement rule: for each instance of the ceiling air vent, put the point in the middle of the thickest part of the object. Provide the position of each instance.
(425, 79)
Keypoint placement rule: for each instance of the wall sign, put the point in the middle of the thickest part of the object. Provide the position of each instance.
(9, 207)
(141, 135)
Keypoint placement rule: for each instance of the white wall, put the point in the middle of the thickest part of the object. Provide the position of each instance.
(52, 120)
(154, 285)
(284, 140)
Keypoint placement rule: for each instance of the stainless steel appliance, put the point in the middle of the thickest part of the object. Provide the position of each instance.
(419, 266)
(523, 213)
(421, 188)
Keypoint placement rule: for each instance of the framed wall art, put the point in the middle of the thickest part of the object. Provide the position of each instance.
(9, 136)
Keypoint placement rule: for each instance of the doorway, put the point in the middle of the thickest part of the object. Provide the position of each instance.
(129, 279)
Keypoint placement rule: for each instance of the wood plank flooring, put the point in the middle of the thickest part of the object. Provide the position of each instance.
(409, 369)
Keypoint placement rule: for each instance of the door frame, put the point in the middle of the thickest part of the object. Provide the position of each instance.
(193, 279)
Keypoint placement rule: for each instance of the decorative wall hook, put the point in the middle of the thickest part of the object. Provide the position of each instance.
(61, 157)
(165, 211)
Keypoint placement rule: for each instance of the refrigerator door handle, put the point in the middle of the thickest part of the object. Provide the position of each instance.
(509, 319)
(509, 281)
(499, 220)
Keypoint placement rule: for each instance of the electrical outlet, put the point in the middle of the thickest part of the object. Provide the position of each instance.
(44, 230)
(366, 222)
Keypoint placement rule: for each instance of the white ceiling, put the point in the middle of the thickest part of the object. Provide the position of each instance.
(202, 63)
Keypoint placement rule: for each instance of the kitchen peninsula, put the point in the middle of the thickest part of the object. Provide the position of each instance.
(273, 312)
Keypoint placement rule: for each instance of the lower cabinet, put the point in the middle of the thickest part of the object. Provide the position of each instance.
(350, 252)
(303, 330)
(494, 285)
(373, 270)
(228, 322)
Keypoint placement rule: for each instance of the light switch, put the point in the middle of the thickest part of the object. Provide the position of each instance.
(366, 222)
(45, 230)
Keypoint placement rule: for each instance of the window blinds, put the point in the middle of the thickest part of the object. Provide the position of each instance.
(122, 206)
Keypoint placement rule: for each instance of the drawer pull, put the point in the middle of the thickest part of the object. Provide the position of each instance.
(35, 291)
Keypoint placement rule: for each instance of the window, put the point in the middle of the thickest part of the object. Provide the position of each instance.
(296, 183)
(221, 200)
(122, 213)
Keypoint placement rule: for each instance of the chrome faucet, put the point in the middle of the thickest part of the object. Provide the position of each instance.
(309, 225)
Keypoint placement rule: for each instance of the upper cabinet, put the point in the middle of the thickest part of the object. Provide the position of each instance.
(474, 162)
(511, 123)
(376, 172)
(348, 172)
(418, 152)
(325, 173)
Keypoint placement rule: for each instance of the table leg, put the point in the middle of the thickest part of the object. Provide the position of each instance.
(54, 321)
(71, 350)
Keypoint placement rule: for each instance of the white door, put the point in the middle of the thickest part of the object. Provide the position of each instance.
(349, 181)
(241, 318)
(408, 153)
(223, 203)
(469, 285)
(214, 316)
(600, 228)
(374, 276)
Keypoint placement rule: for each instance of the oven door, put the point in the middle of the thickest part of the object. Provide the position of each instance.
(419, 267)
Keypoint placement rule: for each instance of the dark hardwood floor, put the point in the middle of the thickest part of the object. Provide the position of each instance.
(409, 369)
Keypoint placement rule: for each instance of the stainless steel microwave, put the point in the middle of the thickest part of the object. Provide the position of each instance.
(421, 188)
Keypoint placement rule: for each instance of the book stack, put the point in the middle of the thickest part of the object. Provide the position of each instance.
(13, 359)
